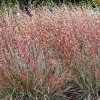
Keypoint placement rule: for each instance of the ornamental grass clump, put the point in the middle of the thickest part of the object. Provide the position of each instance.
(54, 55)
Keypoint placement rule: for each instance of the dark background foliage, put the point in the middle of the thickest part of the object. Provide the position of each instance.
(41, 2)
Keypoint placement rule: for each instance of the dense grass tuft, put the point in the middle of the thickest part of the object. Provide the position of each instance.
(54, 55)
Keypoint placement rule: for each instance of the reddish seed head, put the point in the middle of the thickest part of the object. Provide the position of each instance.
(30, 85)
(52, 79)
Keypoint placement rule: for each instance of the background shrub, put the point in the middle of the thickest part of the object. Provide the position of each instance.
(47, 2)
